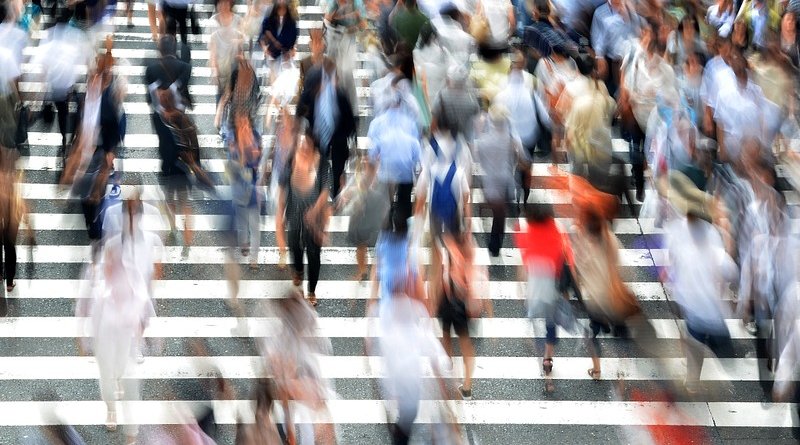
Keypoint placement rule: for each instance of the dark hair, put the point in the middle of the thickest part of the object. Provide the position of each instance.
(167, 45)
(689, 18)
(273, 14)
(542, 7)
(217, 2)
(585, 64)
(426, 34)
(451, 11)
(539, 212)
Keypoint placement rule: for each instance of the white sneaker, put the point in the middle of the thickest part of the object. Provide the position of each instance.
(751, 328)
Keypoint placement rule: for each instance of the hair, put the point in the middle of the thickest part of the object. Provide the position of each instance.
(538, 213)
(542, 7)
(217, 2)
(586, 64)
(273, 14)
(451, 12)
(167, 45)
(426, 34)
(694, 24)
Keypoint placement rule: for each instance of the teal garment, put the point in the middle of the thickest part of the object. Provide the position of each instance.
(357, 5)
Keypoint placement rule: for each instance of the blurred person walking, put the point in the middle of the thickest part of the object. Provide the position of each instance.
(278, 37)
(303, 209)
(223, 44)
(499, 151)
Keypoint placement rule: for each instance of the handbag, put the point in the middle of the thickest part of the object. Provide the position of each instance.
(623, 302)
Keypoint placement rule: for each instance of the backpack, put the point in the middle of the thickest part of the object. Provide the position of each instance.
(444, 204)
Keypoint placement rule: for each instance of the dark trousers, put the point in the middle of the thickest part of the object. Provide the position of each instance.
(300, 241)
(338, 164)
(498, 226)
(400, 199)
(10, 256)
(635, 139)
(177, 18)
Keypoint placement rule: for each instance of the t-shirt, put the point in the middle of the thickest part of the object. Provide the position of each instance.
(542, 242)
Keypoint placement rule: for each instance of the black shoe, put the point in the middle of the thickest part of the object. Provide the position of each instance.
(640, 195)
(494, 253)
(466, 394)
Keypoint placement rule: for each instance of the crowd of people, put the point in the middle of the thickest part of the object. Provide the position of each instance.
(467, 98)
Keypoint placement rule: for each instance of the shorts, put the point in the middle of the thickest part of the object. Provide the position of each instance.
(453, 314)
(176, 188)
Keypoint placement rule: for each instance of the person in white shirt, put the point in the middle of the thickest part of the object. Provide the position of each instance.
(450, 28)
(739, 113)
(697, 285)
(721, 15)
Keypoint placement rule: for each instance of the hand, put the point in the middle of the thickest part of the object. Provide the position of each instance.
(282, 258)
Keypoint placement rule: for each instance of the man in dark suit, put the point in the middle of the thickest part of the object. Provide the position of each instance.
(335, 115)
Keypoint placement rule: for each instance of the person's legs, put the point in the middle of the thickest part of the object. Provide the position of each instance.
(339, 157)
(242, 228)
(498, 227)
(468, 353)
(635, 139)
(10, 257)
(404, 199)
(152, 18)
(296, 253)
(254, 229)
(314, 253)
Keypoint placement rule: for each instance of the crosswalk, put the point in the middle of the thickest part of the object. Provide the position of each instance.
(44, 380)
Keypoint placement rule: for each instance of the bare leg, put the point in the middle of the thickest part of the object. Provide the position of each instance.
(468, 353)
(152, 15)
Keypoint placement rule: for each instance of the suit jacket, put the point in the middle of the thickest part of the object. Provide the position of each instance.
(347, 123)
(168, 70)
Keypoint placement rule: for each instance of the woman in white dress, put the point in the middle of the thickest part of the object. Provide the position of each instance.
(223, 44)
(119, 316)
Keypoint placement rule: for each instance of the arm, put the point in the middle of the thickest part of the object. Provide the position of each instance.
(512, 21)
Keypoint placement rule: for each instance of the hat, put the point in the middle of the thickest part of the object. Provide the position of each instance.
(684, 195)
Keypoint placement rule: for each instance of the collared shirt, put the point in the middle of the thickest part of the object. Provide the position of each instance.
(517, 97)
(396, 151)
(611, 32)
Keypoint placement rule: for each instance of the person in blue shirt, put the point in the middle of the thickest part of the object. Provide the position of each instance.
(396, 152)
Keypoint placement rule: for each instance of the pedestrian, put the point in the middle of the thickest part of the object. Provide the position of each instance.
(455, 304)
(244, 170)
(278, 36)
(499, 152)
(367, 208)
(331, 116)
(697, 286)
(223, 45)
(119, 315)
(395, 153)
(13, 211)
(303, 210)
